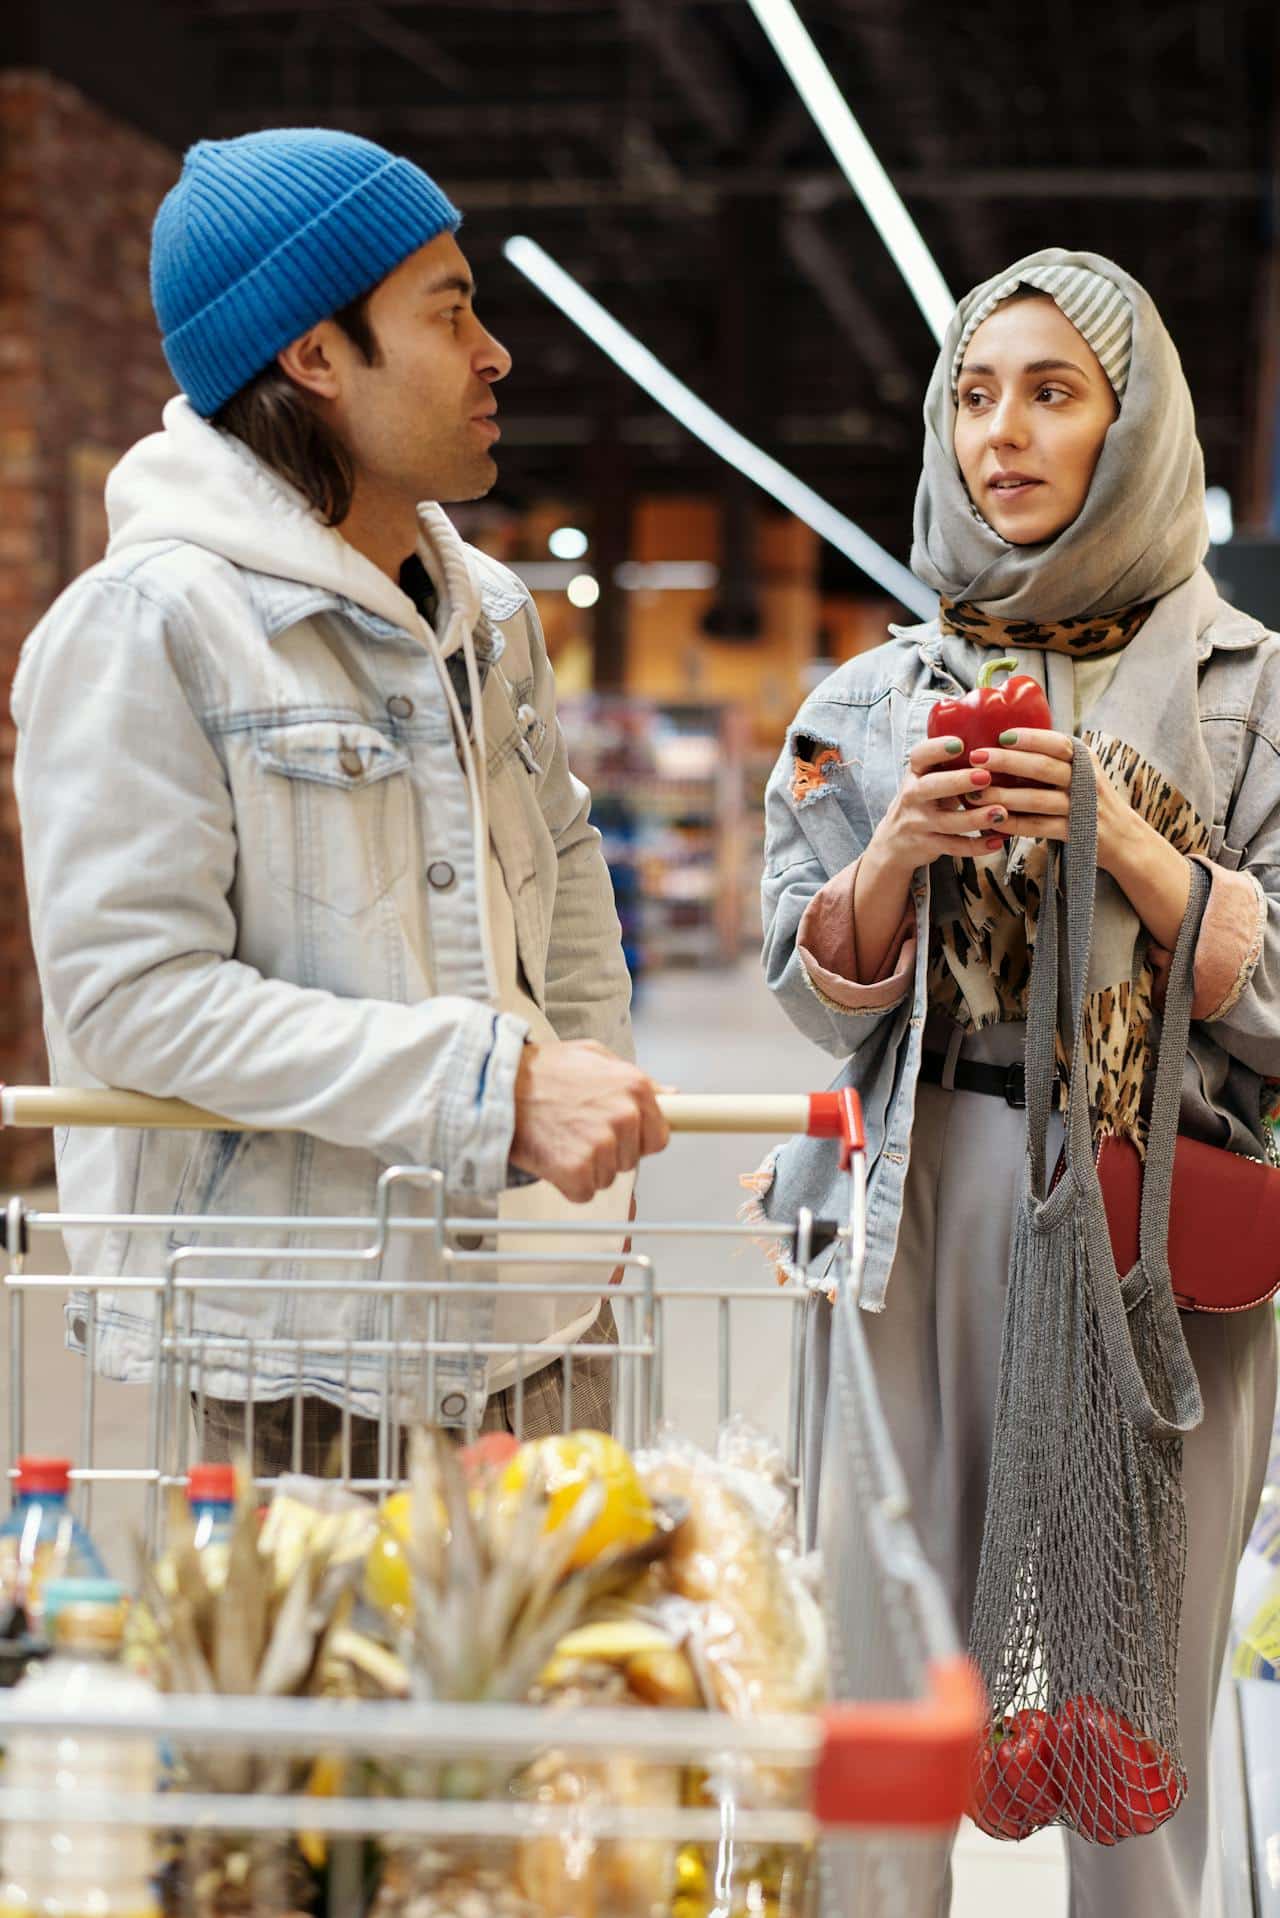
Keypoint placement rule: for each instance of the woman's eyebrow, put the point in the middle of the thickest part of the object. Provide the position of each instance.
(1032, 366)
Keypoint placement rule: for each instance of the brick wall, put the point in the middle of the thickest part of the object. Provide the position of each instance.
(81, 377)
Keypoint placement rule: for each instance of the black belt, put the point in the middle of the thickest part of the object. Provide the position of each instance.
(997, 1082)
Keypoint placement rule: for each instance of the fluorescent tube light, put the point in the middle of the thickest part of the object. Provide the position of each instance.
(626, 351)
(857, 160)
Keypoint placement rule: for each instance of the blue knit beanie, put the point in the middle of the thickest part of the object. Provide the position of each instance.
(264, 236)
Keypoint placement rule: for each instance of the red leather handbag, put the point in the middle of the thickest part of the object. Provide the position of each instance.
(1224, 1222)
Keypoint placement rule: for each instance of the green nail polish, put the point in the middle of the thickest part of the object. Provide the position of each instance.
(955, 745)
(1008, 739)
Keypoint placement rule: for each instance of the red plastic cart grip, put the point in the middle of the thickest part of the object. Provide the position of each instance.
(838, 1115)
(902, 1765)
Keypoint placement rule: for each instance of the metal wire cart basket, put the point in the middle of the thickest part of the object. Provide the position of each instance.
(859, 1799)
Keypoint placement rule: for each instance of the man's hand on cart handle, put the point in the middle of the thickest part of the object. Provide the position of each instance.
(583, 1116)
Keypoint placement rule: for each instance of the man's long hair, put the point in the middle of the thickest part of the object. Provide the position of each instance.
(275, 420)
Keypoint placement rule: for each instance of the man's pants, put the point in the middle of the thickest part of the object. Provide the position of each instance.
(320, 1453)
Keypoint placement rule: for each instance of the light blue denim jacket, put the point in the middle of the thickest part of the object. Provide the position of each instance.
(249, 855)
(873, 711)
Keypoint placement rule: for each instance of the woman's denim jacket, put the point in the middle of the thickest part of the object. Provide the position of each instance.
(872, 711)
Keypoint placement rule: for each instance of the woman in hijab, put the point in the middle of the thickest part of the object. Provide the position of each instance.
(1060, 519)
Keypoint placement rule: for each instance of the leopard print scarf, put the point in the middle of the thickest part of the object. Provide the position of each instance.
(1088, 638)
(981, 951)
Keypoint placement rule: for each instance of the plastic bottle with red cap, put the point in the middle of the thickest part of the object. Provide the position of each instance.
(211, 1497)
(42, 1538)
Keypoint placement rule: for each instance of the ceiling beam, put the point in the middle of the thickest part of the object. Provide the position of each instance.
(860, 434)
(536, 119)
(204, 10)
(693, 64)
(1084, 183)
(646, 163)
(417, 49)
(827, 270)
(813, 191)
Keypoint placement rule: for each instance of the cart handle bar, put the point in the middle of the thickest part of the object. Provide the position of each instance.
(888, 1765)
(822, 1115)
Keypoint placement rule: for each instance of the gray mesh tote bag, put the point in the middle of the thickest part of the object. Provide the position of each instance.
(1079, 1596)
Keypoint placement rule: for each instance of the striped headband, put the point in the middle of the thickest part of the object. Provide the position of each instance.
(1097, 308)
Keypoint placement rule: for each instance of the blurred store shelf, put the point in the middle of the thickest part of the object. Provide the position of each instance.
(668, 791)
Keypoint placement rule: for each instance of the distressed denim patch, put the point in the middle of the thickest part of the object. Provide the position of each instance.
(814, 763)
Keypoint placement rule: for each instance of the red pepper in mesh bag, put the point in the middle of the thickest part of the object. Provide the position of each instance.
(1117, 1783)
(982, 715)
(1016, 1786)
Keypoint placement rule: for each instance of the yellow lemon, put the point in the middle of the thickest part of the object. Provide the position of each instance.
(387, 1579)
(570, 1463)
(386, 1574)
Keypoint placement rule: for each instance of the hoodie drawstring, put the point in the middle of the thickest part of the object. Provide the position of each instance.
(474, 764)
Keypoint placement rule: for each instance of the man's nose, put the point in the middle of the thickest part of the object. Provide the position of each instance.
(493, 362)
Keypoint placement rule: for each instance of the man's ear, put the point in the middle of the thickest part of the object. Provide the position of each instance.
(310, 361)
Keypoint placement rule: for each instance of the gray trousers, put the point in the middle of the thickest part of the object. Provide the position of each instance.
(936, 1351)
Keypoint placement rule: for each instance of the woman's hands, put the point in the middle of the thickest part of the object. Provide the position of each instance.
(957, 814)
(1153, 874)
(938, 811)
(930, 817)
(1042, 810)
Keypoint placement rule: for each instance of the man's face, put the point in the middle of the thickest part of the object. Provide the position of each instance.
(420, 420)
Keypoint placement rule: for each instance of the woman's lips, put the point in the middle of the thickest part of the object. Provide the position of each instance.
(488, 426)
(1013, 489)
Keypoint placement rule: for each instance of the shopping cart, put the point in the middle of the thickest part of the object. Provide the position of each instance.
(878, 1779)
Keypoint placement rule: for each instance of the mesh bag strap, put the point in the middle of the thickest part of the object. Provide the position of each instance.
(1115, 1295)
(1157, 1183)
(1072, 870)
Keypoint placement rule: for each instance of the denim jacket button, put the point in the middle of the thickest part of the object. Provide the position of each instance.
(441, 875)
(351, 762)
(400, 707)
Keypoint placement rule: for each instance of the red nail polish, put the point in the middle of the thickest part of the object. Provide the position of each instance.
(979, 758)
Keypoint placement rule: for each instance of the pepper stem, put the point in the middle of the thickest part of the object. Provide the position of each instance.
(995, 666)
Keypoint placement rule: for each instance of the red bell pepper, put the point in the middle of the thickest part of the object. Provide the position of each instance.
(487, 1455)
(982, 715)
(1118, 1782)
(1017, 1785)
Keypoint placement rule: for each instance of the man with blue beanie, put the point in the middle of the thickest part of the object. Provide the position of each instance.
(302, 845)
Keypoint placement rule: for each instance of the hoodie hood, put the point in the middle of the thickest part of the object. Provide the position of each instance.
(193, 482)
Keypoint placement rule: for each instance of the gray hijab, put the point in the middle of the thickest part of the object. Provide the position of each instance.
(1142, 529)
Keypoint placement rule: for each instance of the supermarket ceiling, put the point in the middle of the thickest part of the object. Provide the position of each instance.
(658, 151)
